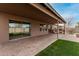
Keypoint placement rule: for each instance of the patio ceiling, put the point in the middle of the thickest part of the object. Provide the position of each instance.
(28, 11)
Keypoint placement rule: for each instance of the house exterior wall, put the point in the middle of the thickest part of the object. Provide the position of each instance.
(4, 26)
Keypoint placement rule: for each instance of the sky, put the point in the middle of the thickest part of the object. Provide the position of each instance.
(68, 10)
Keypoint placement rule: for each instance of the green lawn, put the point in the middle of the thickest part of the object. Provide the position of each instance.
(61, 48)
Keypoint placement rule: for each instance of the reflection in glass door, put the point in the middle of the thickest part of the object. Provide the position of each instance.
(18, 29)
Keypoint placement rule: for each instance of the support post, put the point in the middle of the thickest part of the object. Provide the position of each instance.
(57, 30)
(64, 29)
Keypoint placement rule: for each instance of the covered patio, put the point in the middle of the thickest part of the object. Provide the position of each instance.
(35, 14)
(27, 46)
(29, 13)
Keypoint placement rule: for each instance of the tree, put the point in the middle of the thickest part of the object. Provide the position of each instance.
(69, 21)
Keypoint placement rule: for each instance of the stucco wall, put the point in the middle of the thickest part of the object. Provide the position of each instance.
(4, 28)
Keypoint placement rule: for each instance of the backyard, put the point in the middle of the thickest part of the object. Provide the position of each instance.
(61, 48)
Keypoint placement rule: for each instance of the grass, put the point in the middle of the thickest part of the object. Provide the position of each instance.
(61, 48)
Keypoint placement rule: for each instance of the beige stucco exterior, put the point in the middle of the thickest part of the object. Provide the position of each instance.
(4, 26)
(35, 14)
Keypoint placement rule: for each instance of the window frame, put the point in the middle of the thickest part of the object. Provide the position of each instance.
(20, 22)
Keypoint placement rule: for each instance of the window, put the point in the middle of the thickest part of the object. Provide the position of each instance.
(43, 27)
(18, 29)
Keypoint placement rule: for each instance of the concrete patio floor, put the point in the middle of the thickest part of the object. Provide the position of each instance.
(27, 47)
(69, 37)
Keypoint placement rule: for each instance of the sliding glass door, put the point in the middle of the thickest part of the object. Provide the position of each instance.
(18, 29)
